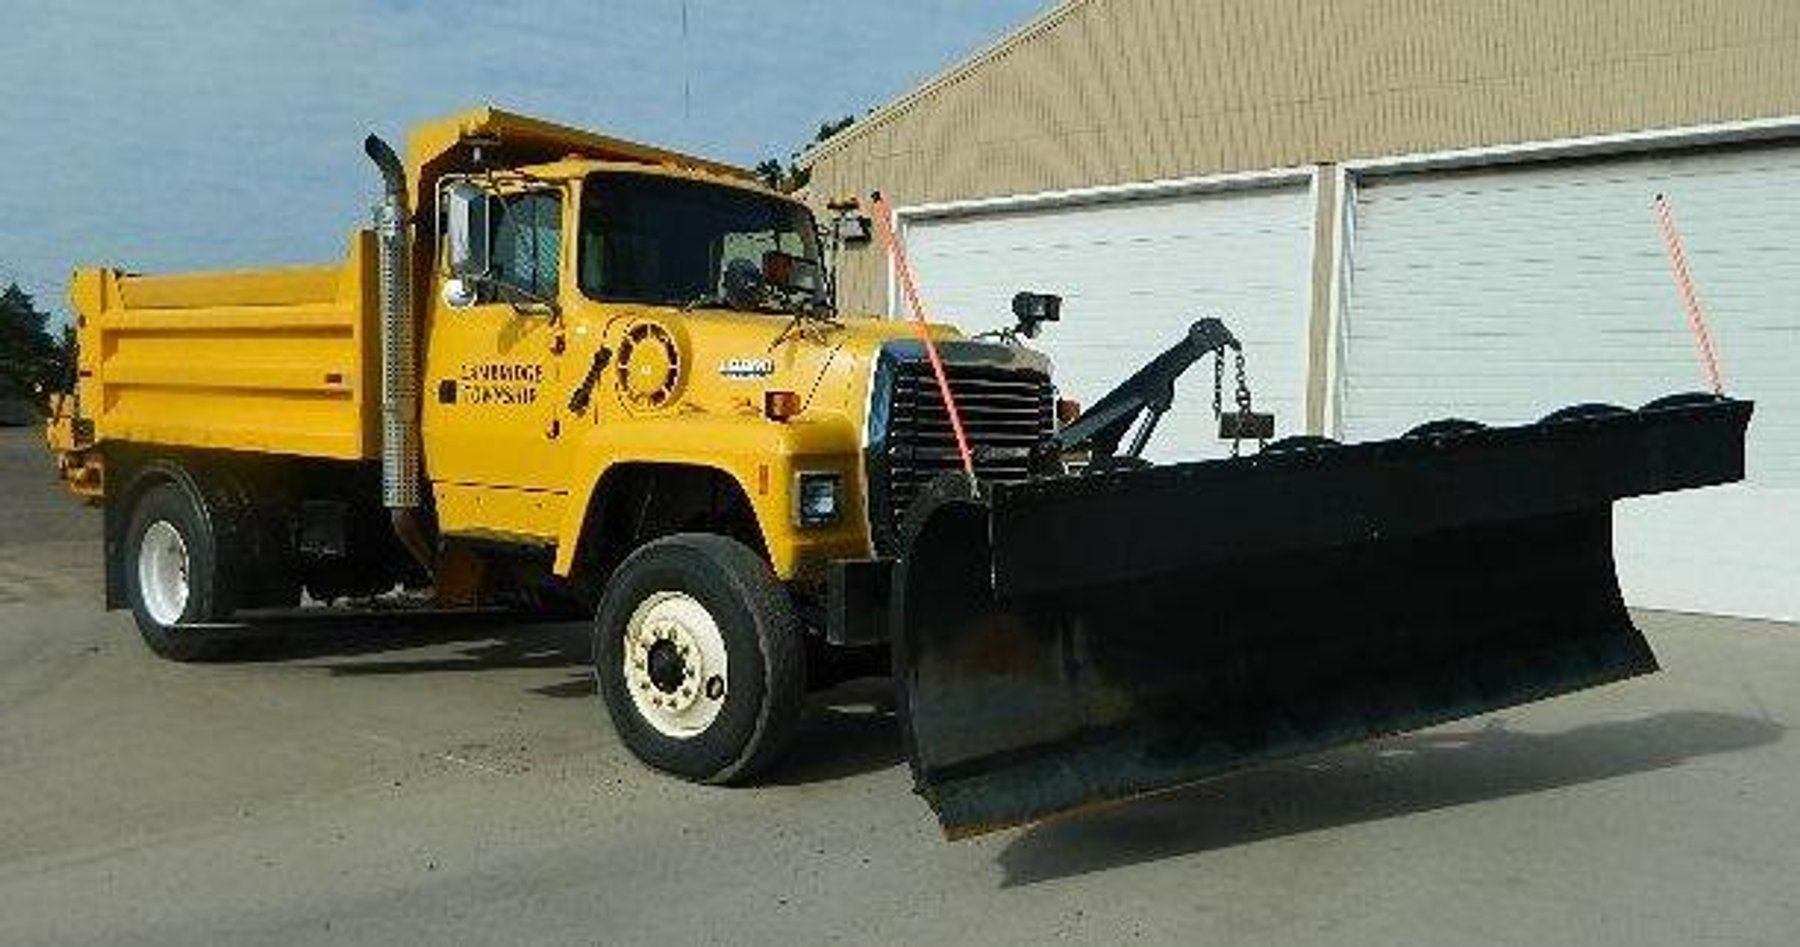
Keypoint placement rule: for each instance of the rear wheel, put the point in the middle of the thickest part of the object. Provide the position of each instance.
(699, 658)
(171, 574)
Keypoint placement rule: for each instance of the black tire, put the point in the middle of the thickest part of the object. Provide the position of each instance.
(207, 599)
(765, 657)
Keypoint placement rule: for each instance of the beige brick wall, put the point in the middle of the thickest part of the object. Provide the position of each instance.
(1109, 91)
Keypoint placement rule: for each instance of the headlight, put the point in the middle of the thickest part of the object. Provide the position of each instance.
(816, 498)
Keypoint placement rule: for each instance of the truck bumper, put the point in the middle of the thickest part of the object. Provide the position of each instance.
(857, 601)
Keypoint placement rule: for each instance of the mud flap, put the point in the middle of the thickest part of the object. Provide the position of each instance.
(1083, 639)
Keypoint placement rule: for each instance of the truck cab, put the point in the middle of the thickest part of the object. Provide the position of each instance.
(607, 321)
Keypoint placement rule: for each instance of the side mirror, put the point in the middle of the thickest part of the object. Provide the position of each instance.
(1034, 309)
(467, 211)
(793, 273)
(853, 229)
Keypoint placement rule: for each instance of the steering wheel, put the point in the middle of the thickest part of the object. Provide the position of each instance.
(743, 284)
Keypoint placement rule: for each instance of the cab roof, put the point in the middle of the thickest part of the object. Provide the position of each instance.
(511, 140)
(580, 167)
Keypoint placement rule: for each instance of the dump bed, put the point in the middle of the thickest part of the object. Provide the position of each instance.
(280, 361)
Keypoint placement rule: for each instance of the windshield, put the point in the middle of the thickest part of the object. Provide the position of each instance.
(653, 239)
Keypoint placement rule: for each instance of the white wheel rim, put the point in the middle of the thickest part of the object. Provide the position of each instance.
(163, 572)
(675, 666)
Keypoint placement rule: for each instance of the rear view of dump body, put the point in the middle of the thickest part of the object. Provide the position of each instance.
(1084, 638)
(279, 361)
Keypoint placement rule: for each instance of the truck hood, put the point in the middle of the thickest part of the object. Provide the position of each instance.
(729, 360)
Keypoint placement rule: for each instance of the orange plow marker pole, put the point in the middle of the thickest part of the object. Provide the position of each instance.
(903, 272)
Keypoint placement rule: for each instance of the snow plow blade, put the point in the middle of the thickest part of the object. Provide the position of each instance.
(1081, 639)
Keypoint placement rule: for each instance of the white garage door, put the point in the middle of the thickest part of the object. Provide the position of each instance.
(1133, 274)
(1500, 293)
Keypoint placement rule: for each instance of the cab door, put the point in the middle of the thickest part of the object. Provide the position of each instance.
(494, 381)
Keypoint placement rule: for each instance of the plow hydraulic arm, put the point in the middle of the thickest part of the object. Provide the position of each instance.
(1149, 393)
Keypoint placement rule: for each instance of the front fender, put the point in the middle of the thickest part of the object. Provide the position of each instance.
(762, 456)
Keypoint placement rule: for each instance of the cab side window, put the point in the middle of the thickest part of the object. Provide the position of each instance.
(527, 242)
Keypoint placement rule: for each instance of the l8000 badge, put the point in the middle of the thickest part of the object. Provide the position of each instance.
(742, 368)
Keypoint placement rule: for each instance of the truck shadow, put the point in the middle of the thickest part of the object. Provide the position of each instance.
(1390, 778)
(376, 647)
(848, 729)
(397, 645)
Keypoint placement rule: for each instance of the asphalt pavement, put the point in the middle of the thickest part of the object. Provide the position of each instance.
(394, 782)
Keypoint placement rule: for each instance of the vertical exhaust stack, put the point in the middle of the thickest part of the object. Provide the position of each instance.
(399, 355)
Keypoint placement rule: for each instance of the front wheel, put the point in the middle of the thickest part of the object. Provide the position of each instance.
(699, 657)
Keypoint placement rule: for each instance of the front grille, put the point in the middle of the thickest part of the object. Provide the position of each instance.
(1005, 411)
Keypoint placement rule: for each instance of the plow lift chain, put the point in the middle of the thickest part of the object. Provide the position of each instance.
(1150, 392)
(1244, 422)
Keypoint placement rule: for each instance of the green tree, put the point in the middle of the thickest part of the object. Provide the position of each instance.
(32, 362)
(771, 174)
(65, 368)
(792, 177)
(828, 129)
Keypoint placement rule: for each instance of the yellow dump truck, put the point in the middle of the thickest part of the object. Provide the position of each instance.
(566, 368)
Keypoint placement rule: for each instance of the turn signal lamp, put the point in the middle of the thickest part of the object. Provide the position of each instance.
(780, 405)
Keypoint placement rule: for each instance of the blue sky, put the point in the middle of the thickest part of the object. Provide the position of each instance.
(180, 134)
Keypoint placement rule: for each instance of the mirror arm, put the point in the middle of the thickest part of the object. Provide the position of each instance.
(525, 301)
